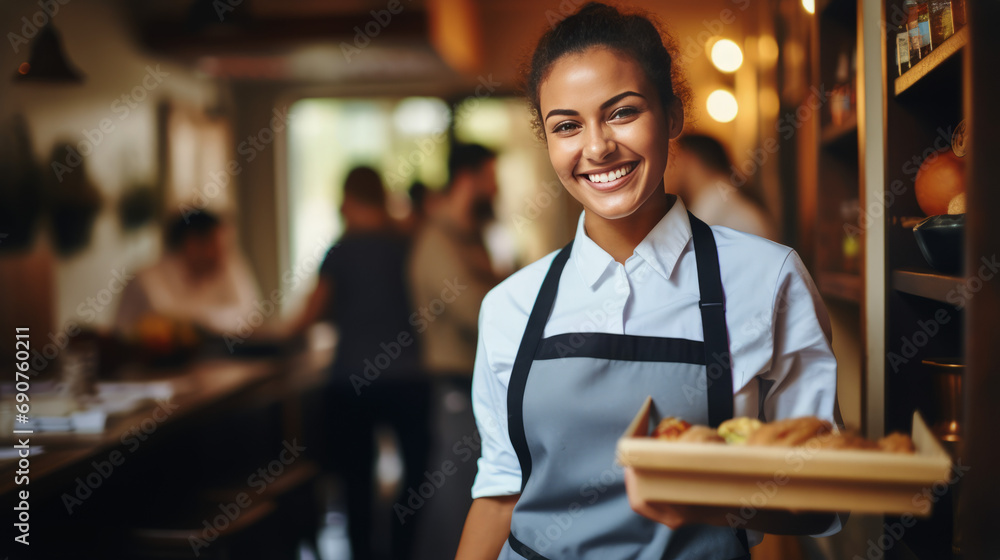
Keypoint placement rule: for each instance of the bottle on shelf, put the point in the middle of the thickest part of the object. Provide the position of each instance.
(942, 22)
(850, 246)
(924, 26)
(913, 30)
(958, 13)
(840, 98)
(902, 38)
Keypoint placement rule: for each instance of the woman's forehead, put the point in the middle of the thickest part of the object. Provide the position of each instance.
(592, 76)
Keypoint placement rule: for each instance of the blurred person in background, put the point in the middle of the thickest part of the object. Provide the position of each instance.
(201, 279)
(701, 174)
(450, 273)
(420, 200)
(376, 377)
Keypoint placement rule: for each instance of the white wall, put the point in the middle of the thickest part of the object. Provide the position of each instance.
(101, 43)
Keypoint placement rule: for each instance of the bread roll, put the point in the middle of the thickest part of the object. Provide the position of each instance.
(789, 433)
(844, 440)
(701, 434)
(896, 443)
(736, 430)
(670, 428)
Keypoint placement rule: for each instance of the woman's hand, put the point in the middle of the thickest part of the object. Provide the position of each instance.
(775, 521)
(672, 515)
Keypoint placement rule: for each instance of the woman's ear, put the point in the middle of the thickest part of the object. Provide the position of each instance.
(675, 118)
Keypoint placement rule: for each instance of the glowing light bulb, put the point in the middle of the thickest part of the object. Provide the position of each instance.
(809, 5)
(722, 106)
(727, 55)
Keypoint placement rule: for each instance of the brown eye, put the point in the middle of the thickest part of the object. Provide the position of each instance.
(624, 113)
(564, 127)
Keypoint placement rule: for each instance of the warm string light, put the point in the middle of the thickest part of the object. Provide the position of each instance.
(722, 106)
(727, 55)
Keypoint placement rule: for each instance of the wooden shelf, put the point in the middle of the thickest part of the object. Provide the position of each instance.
(925, 283)
(833, 134)
(840, 285)
(927, 65)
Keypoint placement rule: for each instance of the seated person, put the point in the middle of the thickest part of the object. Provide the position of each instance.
(201, 279)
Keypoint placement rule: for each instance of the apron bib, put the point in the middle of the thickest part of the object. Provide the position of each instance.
(569, 399)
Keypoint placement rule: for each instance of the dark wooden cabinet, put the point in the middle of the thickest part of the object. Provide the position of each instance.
(924, 309)
(858, 207)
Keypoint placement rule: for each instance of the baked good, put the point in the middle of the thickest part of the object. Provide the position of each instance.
(670, 428)
(896, 443)
(701, 434)
(790, 432)
(844, 440)
(737, 430)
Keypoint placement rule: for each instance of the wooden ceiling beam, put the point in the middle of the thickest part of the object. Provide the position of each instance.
(177, 38)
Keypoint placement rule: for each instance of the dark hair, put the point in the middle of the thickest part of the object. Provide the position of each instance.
(634, 33)
(418, 194)
(364, 185)
(186, 226)
(708, 150)
(467, 157)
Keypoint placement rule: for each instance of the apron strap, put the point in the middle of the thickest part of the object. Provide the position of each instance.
(718, 367)
(713, 318)
(525, 355)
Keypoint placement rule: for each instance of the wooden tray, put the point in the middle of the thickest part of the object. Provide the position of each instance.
(797, 478)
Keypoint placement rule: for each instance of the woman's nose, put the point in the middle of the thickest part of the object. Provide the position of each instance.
(599, 144)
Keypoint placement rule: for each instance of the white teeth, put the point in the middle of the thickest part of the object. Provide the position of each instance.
(611, 175)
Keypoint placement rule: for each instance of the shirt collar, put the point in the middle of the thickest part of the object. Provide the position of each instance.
(661, 248)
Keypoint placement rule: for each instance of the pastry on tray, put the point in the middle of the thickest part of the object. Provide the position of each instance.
(792, 432)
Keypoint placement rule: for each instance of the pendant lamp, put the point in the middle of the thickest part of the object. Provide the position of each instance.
(47, 62)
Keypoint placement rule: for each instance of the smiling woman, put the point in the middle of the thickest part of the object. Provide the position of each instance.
(568, 352)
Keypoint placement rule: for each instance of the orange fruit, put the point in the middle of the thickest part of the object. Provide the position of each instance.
(940, 178)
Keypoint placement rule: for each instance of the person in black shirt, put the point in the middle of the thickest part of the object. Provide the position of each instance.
(375, 377)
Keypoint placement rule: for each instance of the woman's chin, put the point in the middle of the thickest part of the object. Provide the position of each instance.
(612, 213)
(618, 210)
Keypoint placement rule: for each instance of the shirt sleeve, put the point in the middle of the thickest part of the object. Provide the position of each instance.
(499, 470)
(804, 369)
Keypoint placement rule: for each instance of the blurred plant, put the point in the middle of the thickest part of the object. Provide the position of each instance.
(136, 207)
(74, 203)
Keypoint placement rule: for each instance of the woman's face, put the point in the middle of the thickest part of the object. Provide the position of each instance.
(606, 131)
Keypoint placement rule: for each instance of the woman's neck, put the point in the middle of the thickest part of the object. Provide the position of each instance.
(620, 237)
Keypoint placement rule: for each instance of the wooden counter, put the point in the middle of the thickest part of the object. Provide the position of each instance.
(202, 391)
